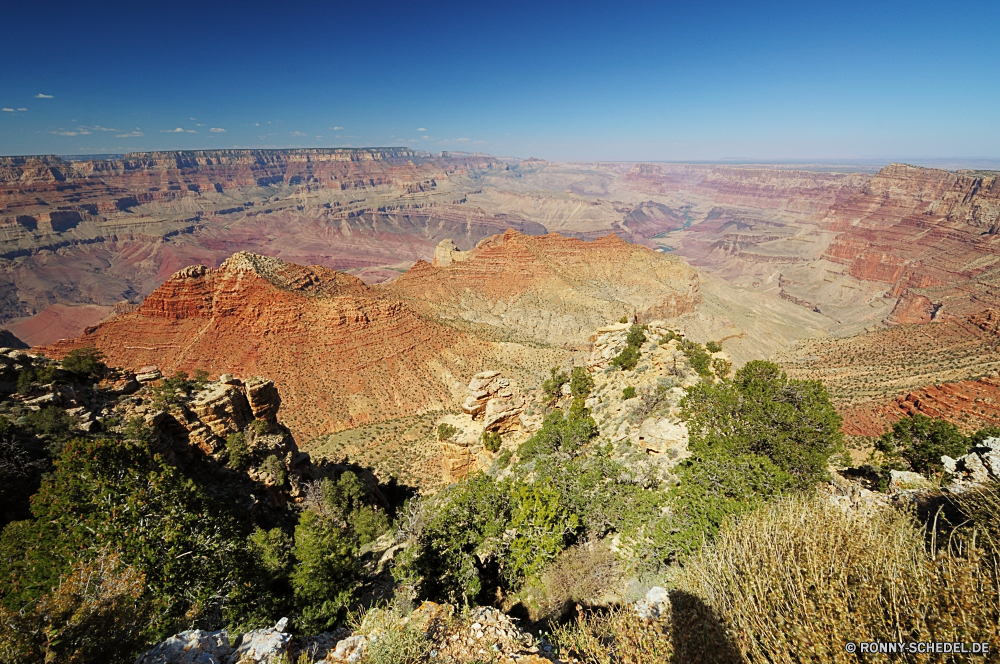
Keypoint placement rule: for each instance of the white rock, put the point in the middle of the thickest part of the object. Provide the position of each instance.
(263, 646)
(351, 649)
(656, 603)
(191, 647)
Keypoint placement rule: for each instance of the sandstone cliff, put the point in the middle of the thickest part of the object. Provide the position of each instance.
(341, 352)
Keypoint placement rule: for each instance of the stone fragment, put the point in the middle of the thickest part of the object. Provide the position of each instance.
(263, 646)
(351, 649)
(904, 480)
(656, 604)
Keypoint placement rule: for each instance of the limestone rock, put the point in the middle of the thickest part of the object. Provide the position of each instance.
(978, 466)
(496, 399)
(264, 646)
(148, 374)
(264, 398)
(190, 647)
(447, 253)
(224, 409)
(905, 480)
(351, 649)
(656, 604)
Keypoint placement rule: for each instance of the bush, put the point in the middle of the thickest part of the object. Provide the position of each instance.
(491, 441)
(763, 412)
(629, 357)
(628, 393)
(920, 442)
(623, 320)
(84, 361)
(580, 574)
(581, 383)
(552, 386)
(696, 355)
(568, 433)
(796, 581)
(543, 526)
(713, 347)
(721, 367)
(324, 576)
(272, 466)
(617, 636)
(346, 503)
(391, 642)
(99, 612)
(669, 336)
(445, 431)
(238, 449)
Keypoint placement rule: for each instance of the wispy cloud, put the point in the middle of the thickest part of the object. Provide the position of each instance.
(81, 131)
(22, 109)
(298, 133)
(131, 134)
(217, 130)
(178, 130)
(13, 110)
(421, 129)
(8, 110)
(200, 124)
(100, 128)
(336, 128)
(42, 95)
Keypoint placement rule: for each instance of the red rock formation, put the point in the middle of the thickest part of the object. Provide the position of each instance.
(340, 352)
(768, 188)
(920, 228)
(970, 404)
(551, 287)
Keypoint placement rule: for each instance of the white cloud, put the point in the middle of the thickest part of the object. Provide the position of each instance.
(191, 131)
(256, 124)
(200, 125)
(43, 96)
(421, 129)
(131, 134)
(336, 128)
(193, 119)
(22, 109)
(100, 128)
(217, 130)
(8, 110)
(82, 131)
(179, 130)
(298, 133)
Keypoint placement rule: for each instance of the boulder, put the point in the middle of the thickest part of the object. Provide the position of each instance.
(223, 408)
(656, 604)
(351, 649)
(194, 646)
(905, 480)
(264, 646)
(492, 396)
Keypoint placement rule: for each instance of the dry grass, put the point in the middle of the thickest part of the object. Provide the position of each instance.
(586, 574)
(616, 637)
(796, 581)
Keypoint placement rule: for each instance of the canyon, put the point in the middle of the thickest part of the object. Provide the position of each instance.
(870, 280)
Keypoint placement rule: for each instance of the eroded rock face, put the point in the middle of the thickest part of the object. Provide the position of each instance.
(223, 408)
(980, 465)
(496, 399)
(263, 398)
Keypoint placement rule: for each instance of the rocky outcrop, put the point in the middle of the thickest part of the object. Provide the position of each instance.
(492, 396)
(552, 288)
(262, 646)
(762, 188)
(8, 340)
(980, 465)
(340, 352)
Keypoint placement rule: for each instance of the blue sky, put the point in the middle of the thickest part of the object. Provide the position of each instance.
(612, 81)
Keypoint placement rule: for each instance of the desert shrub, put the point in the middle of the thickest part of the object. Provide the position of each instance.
(259, 427)
(456, 542)
(700, 360)
(238, 450)
(919, 442)
(763, 412)
(324, 575)
(721, 367)
(713, 346)
(272, 549)
(628, 392)
(580, 574)
(558, 432)
(23, 460)
(623, 320)
(491, 441)
(669, 336)
(199, 379)
(629, 357)
(981, 508)
(552, 386)
(391, 642)
(52, 423)
(84, 361)
(445, 431)
(99, 612)
(39, 371)
(797, 580)
(172, 390)
(106, 495)
(504, 459)
(618, 636)
(580, 383)
(543, 525)
(272, 466)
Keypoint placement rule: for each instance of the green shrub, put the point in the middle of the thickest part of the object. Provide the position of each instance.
(345, 502)
(504, 459)
(581, 383)
(324, 576)
(393, 642)
(920, 442)
(445, 431)
(568, 433)
(491, 441)
(543, 526)
(763, 412)
(627, 359)
(700, 360)
(721, 367)
(669, 336)
(238, 450)
(84, 361)
(636, 336)
(552, 386)
(623, 320)
(259, 427)
(272, 466)
(713, 347)
(628, 393)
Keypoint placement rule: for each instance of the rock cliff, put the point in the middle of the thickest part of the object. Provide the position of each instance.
(341, 352)
(550, 288)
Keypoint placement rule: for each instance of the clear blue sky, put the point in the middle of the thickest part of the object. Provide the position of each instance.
(614, 80)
